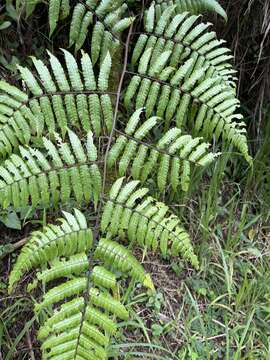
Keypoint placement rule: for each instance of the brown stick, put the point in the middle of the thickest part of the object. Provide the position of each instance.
(19, 243)
(124, 70)
(30, 346)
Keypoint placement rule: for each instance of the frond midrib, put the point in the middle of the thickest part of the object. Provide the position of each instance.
(86, 294)
(57, 93)
(179, 88)
(58, 169)
(154, 147)
(172, 39)
(141, 214)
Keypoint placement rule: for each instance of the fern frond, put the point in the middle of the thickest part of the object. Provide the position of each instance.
(132, 213)
(70, 237)
(82, 326)
(109, 23)
(171, 158)
(186, 37)
(184, 75)
(107, 19)
(58, 98)
(182, 78)
(193, 6)
(52, 176)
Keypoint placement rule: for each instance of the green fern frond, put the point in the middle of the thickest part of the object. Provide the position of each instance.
(177, 83)
(171, 157)
(193, 6)
(182, 79)
(186, 37)
(133, 213)
(107, 27)
(70, 237)
(82, 326)
(107, 18)
(52, 176)
(58, 98)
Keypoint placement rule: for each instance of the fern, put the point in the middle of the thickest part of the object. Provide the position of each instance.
(193, 6)
(172, 156)
(135, 214)
(107, 18)
(185, 77)
(67, 239)
(60, 140)
(84, 324)
(185, 37)
(56, 101)
(109, 24)
(65, 171)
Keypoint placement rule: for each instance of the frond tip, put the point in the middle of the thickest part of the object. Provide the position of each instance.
(130, 212)
(71, 237)
(184, 75)
(194, 6)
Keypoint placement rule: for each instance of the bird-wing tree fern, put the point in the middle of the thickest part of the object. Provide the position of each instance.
(68, 139)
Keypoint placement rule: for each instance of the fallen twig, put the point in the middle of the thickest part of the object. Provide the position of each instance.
(30, 346)
(9, 248)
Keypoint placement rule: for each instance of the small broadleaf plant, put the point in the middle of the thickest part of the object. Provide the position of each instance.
(104, 155)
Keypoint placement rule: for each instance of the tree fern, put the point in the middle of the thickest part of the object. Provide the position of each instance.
(179, 80)
(57, 99)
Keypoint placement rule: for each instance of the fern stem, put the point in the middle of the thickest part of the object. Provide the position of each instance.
(152, 146)
(106, 198)
(119, 91)
(97, 225)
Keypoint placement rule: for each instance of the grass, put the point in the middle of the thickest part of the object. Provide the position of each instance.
(222, 312)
